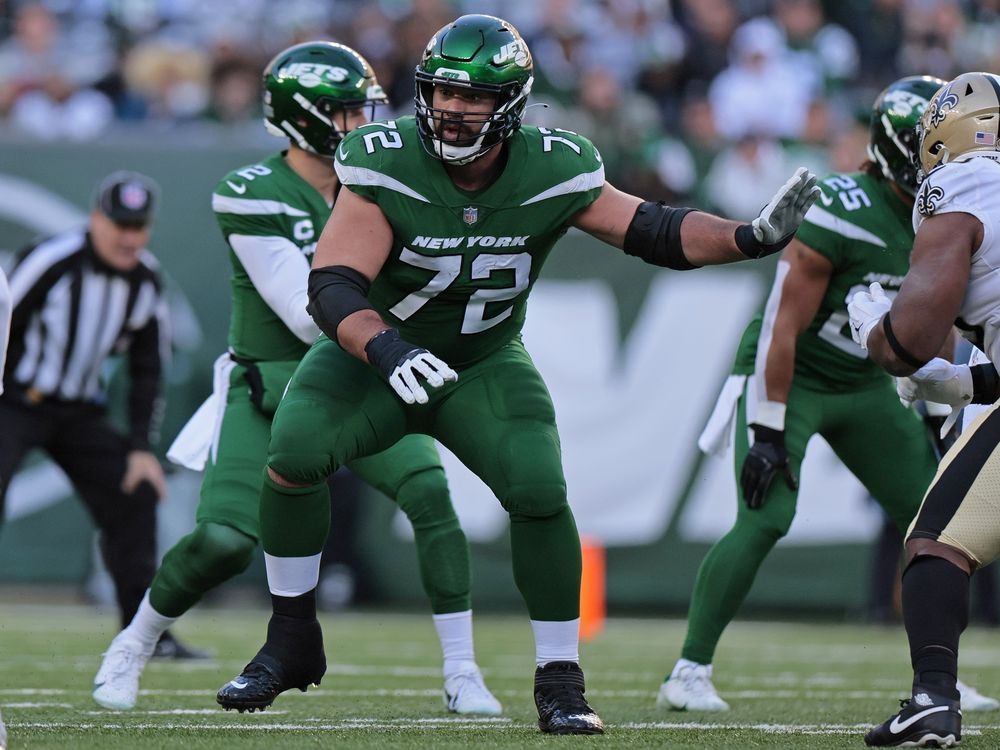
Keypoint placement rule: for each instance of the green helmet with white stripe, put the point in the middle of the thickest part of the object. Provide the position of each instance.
(481, 54)
(308, 89)
(892, 140)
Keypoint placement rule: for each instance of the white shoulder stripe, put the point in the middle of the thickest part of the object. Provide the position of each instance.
(359, 176)
(579, 184)
(41, 259)
(223, 204)
(826, 220)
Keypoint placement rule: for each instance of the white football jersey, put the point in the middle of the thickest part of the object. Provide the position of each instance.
(972, 186)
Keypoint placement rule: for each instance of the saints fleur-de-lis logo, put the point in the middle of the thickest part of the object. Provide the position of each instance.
(928, 199)
(945, 102)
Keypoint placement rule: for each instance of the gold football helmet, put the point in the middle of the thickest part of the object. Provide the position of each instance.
(963, 117)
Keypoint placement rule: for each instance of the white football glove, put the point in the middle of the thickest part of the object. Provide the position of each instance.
(403, 378)
(938, 382)
(867, 309)
(783, 214)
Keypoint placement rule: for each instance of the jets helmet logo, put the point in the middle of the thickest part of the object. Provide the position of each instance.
(311, 75)
(515, 51)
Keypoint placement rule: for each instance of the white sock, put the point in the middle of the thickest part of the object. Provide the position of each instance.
(454, 630)
(683, 663)
(556, 641)
(292, 576)
(148, 625)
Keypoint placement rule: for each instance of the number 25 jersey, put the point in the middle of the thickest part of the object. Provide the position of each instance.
(462, 263)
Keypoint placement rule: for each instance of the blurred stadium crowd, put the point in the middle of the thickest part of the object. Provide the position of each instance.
(685, 98)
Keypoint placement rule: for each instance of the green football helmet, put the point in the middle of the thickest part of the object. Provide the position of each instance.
(484, 54)
(309, 87)
(892, 142)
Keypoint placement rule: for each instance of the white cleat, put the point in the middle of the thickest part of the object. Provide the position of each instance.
(690, 688)
(116, 684)
(3, 735)
(466, 693)
(973, 700)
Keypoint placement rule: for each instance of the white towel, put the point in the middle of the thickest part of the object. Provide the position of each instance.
(200, 435)
(716, 436)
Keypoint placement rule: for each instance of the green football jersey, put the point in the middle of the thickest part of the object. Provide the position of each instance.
(865, 230)
(269, 202)
(462, 264)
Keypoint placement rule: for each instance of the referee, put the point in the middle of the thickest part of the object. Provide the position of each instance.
(78, 298)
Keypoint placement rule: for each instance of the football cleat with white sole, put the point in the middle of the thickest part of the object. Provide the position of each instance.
(116, 684)
(562, 709)
(973, 700)
(925, 720)
(466, 693)
(689, 688)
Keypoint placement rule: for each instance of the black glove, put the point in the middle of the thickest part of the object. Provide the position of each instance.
(766, 457)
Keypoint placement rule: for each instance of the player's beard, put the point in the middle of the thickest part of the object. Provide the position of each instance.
(460, 131)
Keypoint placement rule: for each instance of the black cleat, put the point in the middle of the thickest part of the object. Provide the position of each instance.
(292, 657)
(562, 709)
(169, 648)
(925, 720)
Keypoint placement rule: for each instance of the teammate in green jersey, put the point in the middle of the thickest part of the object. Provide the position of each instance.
(428, 258)
(804, 375)
(270, 215)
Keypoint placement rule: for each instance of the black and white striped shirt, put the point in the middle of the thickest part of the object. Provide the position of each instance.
(71, 312)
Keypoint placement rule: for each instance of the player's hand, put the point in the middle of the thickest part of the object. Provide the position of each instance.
(407, 367)
(942, 382)
(866, 310)
(419, 363)
(767, 456)
(143, 466)
(781, 217)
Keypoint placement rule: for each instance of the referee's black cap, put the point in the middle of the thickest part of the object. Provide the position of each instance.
(127, 198)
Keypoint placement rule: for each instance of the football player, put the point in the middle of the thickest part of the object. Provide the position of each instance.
(420, 283)
(271, 214)
(798, 373)
(952, 280)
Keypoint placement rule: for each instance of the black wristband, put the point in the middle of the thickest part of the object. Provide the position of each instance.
(898, 349)
(385, 350)
(985, 383)
(752, 248)
(762, 434)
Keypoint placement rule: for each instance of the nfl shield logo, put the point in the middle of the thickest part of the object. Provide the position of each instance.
(133, 196)
(470, 215)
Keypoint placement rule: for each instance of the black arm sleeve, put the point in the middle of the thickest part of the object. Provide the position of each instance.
(654, 234)
(145, 404)
(334, 293)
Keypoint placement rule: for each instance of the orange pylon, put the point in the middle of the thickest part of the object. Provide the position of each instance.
(593, 608)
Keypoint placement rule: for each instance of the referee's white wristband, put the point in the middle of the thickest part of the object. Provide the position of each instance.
(770, 414)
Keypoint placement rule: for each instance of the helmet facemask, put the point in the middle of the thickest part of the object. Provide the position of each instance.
(487, 128)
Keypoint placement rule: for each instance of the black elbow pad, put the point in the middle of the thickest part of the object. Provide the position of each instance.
(334, 293)
(654, 234)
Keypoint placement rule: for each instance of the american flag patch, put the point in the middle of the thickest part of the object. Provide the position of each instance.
(985, 139)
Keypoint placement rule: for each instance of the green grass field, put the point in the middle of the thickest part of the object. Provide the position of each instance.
(791, 685)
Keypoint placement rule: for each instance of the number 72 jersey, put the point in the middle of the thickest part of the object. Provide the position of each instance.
(463, 263)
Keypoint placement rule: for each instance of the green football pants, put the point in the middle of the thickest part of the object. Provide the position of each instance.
(227, 527)
(497, 418)
(884, 445)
